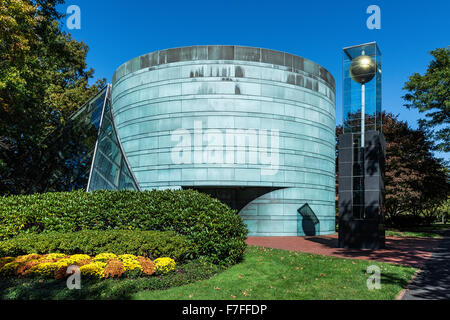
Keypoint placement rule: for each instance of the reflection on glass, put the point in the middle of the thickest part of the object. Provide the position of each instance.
(64, 164)
(353, 92)
(362, 109)
(110, 169)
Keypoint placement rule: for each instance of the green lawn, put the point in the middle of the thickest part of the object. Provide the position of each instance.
(431, 231)
(279, 274)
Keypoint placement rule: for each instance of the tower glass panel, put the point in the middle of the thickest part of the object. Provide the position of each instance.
(353, 91)
(362, 109)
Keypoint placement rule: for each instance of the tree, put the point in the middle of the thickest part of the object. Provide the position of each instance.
(416, 182)
(444, 211)
(431, 93)
(43, 80)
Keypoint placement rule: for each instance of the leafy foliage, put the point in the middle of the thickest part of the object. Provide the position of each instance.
(43, 80)
(416, 181)
(211, 228)
(444, 210)
(431, 93)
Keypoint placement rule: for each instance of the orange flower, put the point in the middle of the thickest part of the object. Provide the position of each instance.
(24, 268)
(147, 265)
(114, 268)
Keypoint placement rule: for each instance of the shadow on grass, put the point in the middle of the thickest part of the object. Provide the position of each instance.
(391, 279)
(405, 251)
(31, 289)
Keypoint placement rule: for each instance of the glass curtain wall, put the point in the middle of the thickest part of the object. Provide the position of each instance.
(110, 169)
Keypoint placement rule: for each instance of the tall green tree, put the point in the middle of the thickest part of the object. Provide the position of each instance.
(43, 80)
(430, 93)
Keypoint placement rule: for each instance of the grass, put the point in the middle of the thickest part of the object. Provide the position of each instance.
(279, 274)
(431, 231)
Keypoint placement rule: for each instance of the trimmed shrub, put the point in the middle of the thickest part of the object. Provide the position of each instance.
(211, 227)
(152, 244)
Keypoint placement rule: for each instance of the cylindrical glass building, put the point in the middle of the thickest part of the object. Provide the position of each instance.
(250, 126)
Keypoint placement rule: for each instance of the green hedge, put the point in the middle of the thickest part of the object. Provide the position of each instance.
(211, 227)
(152, 244)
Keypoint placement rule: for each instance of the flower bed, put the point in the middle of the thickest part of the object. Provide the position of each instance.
(103, 265)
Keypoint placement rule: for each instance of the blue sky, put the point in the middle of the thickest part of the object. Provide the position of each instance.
(117, 31)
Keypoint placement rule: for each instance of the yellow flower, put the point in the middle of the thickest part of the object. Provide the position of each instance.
(46, 269)
(95, 269)
(9, 268)
(53, 256)
(79, 257)
(131, 265)
(164, 265)
(130, 262)
(6, 260)
(65, 262)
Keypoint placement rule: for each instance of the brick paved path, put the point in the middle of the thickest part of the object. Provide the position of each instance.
(433, 282)
(405, 251)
